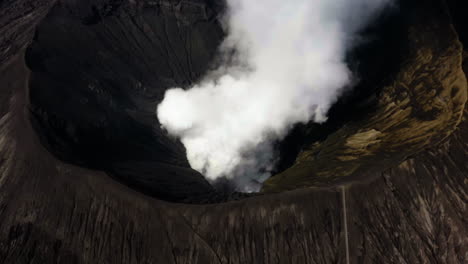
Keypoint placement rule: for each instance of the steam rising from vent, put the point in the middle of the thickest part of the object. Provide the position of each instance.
(288, 68)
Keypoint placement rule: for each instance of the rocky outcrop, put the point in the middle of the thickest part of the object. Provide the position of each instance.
(414, 212)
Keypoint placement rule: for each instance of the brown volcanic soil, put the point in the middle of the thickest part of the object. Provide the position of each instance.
(418, 106)
(52, 211)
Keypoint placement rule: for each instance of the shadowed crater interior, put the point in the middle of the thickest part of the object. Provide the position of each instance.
(99, 69)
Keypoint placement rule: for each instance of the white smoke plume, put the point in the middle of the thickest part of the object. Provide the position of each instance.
(289, 68)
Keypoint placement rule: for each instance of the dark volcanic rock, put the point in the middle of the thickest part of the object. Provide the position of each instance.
(17, 24)
(109, 63)
(57, 212)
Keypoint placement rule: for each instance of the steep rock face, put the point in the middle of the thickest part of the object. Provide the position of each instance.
(110, 62)
(54, 212)
(422, 105)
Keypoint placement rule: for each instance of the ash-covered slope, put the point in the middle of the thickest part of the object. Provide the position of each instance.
(57, 212)
(98, 71)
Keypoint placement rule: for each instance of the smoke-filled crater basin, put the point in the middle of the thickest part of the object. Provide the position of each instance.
(204, 102)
